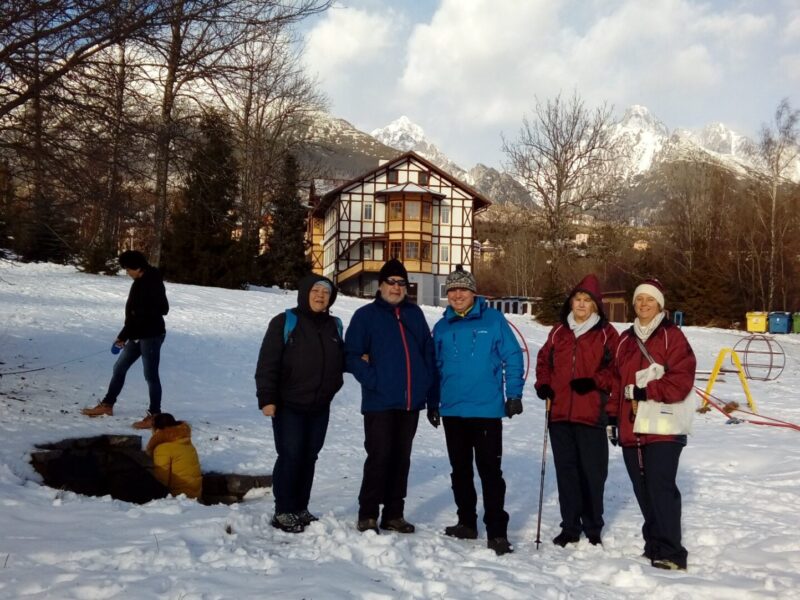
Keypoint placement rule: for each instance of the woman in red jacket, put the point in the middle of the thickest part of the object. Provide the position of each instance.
(652, 460)
(573, 370)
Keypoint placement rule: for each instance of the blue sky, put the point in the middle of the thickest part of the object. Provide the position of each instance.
(468, 70)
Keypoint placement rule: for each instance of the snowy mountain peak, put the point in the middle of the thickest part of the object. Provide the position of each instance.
(405, 135)
(402, 133)
(638, 117)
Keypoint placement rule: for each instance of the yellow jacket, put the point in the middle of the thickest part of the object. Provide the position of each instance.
(175, 459)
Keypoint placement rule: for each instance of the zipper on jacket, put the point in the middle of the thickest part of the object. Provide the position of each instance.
(408, 357)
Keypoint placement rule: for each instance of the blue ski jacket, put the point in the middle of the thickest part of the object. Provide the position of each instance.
(398, 372)
(479, 362)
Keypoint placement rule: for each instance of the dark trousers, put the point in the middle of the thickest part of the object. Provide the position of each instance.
(659, 498)
(388, 436)
(481, 439)
(299, 437)
(149, 349)
(580, 455)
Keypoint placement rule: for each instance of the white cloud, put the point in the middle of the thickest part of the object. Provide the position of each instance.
(474, 67)
(347, 38)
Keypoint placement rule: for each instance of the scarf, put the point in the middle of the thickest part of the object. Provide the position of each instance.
(643, 332)
(580, 328)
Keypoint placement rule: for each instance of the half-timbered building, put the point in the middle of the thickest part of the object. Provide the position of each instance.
(407, 208)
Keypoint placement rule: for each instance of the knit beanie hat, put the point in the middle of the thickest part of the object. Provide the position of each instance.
(651, 287)
(461, 279)
(392, 268)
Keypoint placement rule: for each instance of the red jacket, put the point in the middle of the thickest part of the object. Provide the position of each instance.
(564, 358)
(668, 347)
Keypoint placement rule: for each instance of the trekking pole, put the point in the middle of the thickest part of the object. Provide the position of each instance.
(541, 478)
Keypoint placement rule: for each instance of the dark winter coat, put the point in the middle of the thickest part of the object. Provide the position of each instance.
(146, 306)
(306, 372)
(564, 357)
(397, 339)
(668, 347)
(479, 360)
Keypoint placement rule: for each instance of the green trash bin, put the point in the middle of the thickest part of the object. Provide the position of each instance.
(796, 322)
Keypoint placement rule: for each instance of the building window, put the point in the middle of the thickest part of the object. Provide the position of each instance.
(425, 251)
(444, 214)
(395, 211)
(427, 210)
(423, 178)
(444, 253)
(366, 251)
(412, 251)
(396, 250)
(392, 176)
(367, 213)
(412, 210)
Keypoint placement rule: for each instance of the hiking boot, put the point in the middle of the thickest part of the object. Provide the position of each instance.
(305, 517)
(665, 563)
(400, 525)
(146, 423)
(564, 538)
(367, 525)
(500, 545)
(595, 539)
(287, 522)
(101, 410)
(461, 531)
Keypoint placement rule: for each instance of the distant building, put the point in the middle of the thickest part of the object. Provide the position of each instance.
(406, 208)
(641, 245)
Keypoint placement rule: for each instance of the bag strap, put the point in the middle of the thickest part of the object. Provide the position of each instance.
(644, 350)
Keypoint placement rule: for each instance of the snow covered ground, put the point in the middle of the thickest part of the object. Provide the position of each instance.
(740, 483)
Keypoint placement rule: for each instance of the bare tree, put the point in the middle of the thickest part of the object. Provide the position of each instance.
(568, 159)
(192, 52)
(779, 150)
(64, 34)
(270, 100)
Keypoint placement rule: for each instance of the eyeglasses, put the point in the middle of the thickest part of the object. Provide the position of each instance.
(392, 282)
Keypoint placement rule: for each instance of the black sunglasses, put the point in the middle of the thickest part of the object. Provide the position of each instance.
(400, 282)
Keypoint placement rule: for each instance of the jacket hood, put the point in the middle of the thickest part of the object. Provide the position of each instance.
(589, 285)
(304, 288)
(181, 430)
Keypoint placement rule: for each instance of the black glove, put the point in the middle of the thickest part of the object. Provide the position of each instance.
(612, 432)
(513, 407)
(633, 392)
(544, 391)
(583, 385)
(433, 417)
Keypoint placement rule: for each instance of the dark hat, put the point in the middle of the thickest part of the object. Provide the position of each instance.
(460, 279)
(392, 268)
(588, 285)
(651, 287)
(132, 259)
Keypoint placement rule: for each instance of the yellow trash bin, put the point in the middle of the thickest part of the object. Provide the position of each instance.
(757, 322)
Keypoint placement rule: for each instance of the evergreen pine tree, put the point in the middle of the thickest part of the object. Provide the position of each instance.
(285, 261)
(199, 247)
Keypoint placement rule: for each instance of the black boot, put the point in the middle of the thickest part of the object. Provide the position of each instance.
(461, 531)
(564, 538)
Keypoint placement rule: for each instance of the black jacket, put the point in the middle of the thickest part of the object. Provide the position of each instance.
(306, 372)
(146, 306)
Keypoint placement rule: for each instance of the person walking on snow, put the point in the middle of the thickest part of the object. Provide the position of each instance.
(141, 336)
(389, 350)
(480, 369)
(574, 371)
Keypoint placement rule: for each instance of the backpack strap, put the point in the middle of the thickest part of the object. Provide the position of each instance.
(289, 324)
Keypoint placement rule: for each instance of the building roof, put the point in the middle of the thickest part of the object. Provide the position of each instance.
(479, 202)
(409, 188)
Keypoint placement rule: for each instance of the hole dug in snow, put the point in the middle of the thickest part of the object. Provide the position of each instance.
(116, 465)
